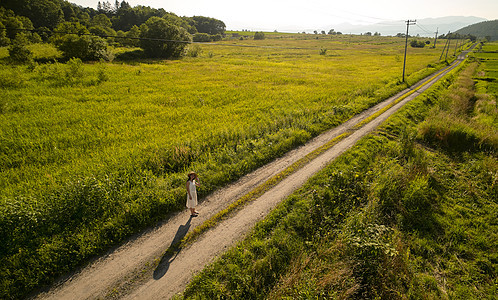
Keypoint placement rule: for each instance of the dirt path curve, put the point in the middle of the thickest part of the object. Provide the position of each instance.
(123, 272)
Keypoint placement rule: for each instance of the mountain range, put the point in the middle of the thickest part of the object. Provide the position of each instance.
(423, 27)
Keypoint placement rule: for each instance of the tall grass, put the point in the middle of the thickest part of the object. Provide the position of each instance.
(91, 153)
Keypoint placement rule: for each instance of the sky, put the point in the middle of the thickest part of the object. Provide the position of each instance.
(294, 15)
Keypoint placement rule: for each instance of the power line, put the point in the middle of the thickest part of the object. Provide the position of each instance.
(423, 29)
(160, 40)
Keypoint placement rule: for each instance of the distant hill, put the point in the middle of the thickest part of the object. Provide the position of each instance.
(482, 30)
(424, 27)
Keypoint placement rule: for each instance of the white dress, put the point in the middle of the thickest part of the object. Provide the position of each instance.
(191, 203)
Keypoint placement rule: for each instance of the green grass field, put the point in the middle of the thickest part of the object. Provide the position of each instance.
(91, 153)
(407, 213)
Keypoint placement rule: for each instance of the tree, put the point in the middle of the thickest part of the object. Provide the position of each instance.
(209, 25)
(18, 50)
(133, 34)
(68, 27)
(4, 40)
(101, 20)
(12, 25)
(162, 39)
(83, 18)
(46, 13)
(127, 16)
(102, 31)
(181, 22)
(67, 10)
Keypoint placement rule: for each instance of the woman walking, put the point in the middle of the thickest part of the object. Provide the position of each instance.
(192, 183)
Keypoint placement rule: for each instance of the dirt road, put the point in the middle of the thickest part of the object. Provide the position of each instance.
(140, 270)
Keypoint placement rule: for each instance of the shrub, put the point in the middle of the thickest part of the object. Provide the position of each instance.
(130, 55)
(417, 44)
(194, 51)
(216, 37)
(74, 69)
(202, 37)
(259, 35)
(84, 47)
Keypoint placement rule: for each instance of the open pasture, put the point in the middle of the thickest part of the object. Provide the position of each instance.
(90, 153)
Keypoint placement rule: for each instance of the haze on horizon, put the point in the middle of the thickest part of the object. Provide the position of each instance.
(287, 15)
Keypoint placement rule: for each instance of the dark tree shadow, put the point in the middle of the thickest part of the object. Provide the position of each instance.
(172, 251)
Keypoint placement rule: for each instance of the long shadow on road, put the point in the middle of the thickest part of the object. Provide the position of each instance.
(170, 255)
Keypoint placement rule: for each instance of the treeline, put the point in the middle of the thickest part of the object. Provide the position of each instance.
(458, 36)
(85, 32)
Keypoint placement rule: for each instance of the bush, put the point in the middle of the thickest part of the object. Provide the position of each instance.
(417, 44)
(130, 55)
(162, 39)
(194, 51)
(84, 47)
(216, 37)
(202, 38)
(259, 35)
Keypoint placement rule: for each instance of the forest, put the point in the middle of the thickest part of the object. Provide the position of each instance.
(86, 33)
(486, 29)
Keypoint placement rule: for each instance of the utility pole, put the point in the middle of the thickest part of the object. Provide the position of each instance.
(447, 49)
(408, 23)
(435, 40)
(456, 46)
(446, 44)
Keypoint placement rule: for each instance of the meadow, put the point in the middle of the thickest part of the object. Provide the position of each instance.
(92, 153)
(407, 213)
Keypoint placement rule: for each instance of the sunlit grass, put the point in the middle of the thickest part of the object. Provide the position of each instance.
(90, 153)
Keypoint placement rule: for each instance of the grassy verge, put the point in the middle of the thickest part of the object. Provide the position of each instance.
(404, 214)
